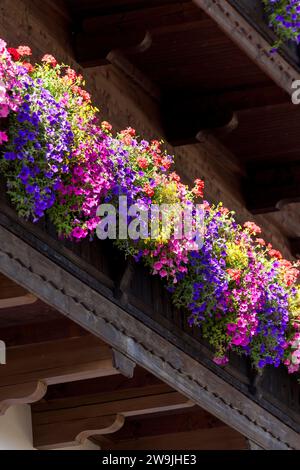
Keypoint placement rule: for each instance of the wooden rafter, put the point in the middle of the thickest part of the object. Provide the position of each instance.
(12, 295)
(88, 307)
(70, 421)
(30, 369)
(98, 34)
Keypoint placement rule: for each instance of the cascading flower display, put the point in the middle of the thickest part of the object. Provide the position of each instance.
(59, 159)
(284, 19)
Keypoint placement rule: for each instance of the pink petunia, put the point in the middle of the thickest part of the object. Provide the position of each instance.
(4, 111)
(3, 137)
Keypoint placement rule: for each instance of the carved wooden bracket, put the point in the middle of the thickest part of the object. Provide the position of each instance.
(186, 116)
(123, 284)
(123, 364)
(30, 369)
(69, 421)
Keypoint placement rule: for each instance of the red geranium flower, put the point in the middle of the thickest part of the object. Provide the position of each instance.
(106, 126)
(148, 190)
(252, 227)
(24, 51)
(275, 254)
(199, 188)
(142, 162)
(49, 59)
(28, 66)
(14, 53)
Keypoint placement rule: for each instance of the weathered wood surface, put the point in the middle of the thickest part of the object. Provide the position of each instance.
(150, 332)
(12, 295)
(30, 369)
(70, 421)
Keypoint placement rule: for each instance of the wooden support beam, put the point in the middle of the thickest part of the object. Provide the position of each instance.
(184, 117)
(221, 438)
(13, 295)
(123, 364)
(70, 421)
(128, 30)
(176, 421)
(30, 369)
(271, 185)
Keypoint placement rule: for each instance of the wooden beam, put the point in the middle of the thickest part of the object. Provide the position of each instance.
(85, 304)
(41, 331)
(271, 185)
(79, 418)
(221, 438)
(98, 34)
(177, 421)
(12, 295)
(185, 117)
(123, 364)
(30, 369)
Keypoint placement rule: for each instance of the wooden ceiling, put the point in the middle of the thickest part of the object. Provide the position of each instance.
(82, 389)
(202, 81)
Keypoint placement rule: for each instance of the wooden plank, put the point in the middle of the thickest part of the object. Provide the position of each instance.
(222, 438)
(177, 421)
(67, 360)
(12, 295)
(79, 418)
(137, 341)
(71, 433)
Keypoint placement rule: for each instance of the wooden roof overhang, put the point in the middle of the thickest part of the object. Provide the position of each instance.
(207, 66)
(120, 303)
(130, 311)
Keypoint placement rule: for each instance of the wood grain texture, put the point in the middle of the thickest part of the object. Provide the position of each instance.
(29, 369)
(105, 319)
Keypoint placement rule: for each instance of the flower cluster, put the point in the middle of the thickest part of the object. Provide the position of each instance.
(284, 18)
(58, 159)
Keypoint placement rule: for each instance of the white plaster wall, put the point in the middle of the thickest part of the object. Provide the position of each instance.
(16, 429)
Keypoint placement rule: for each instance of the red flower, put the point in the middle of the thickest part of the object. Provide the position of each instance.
(275, 254)
(106, 126)
(71, 74)
(50, 60)
(24, 51)
(14, 53)
(85, 95)
(260, 241)
(142, 162)
(129, 131)
(224, 210)
(199, 187)
(174, 177)
(166, 163)
(235, 274)
(252, 227)
(28, 66)
(156, 145)
(148, 190)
